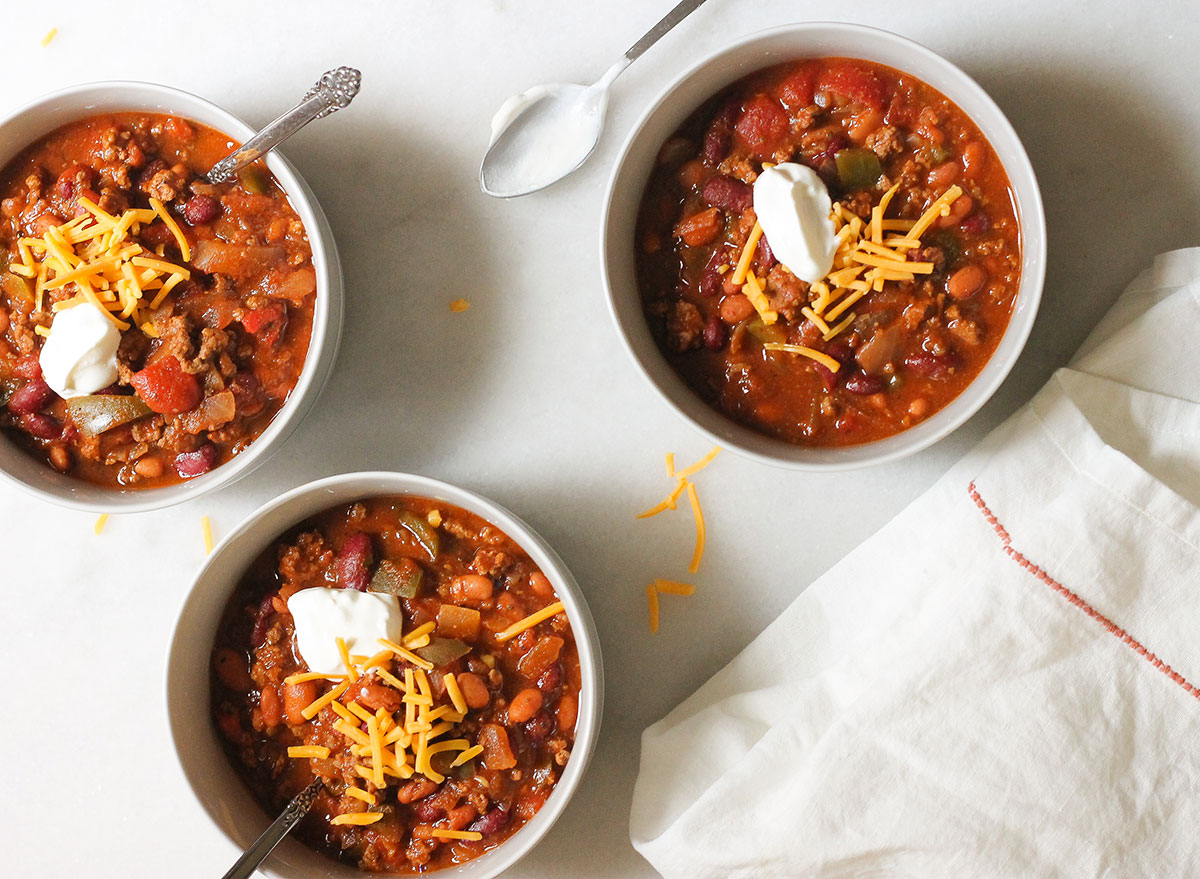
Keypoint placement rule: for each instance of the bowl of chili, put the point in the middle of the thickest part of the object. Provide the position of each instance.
(223, 303)
(923, 312)
(491, 618)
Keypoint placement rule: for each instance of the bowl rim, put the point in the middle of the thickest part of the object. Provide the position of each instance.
(775, 452)
(73, 493)
(331, 491)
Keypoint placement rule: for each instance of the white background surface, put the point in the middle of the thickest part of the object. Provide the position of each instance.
(527, 397)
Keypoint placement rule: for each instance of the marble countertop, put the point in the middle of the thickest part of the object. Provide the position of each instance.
(528, 397)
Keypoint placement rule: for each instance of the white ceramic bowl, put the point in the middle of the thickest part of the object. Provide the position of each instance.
(220, 790)
(39, 117)
(706, 78)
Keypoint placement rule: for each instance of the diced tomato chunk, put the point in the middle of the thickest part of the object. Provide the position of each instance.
(166, 388)
(796, 91)
(700, 228)
(267, 322)
(762, 124)
(853, 83)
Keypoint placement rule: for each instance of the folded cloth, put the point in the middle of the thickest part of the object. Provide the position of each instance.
(997, 683)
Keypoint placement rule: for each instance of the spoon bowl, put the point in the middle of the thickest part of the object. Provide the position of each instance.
(541, 135)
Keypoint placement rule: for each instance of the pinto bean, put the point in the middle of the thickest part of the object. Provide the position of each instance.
(524, 705)
(974, 158)
(297, 697)
(958, 212)
(471, 589)
(474, 690)
(541, 585)
(376, 696)
(230, 666)
(417, 789)
(567, 712)
(270, 707)
(943, 175)
(60, 458)
(736, 308)
(148, 467)
(966, 282)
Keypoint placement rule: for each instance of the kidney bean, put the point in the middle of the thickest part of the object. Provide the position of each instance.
(190, 464)
(30, 397)
(524, 705)
(297, 697)
(714, 333)
(966, 282)
(864, 385)
(41, 426)
(539, 727)
(493, 820)
(728, 193)
(354, 562)
(471, 589)
(549, 680)
(764, 257)
(428, 811)
(933, 365)
(262, 620)
(975, 224)
(201, 209)
(474, 690)
(716, 145)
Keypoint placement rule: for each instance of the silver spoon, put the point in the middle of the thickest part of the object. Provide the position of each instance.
(334, 90)
(546, 132)
(245, 866)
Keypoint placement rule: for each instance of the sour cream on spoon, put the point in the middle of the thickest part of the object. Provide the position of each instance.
(793, 208)
(80, 355)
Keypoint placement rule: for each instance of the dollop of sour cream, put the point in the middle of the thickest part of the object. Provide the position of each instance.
(321, 616)
(80, 355)
(793, 207)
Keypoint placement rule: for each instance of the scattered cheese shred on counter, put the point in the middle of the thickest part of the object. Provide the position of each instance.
(530, 621)
(206, 531)
(472, 835)
(100, 522)
(689, 472)
(669, 503)
(652, 598)
(360, 818)
(49, 38)
(673, 587)
(459, 305)
(701, 534)
(318, 752)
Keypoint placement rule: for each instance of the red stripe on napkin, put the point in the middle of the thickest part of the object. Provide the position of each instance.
(1074, 598)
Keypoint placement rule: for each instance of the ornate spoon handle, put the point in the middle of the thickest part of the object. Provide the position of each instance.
(334, 90)
(261, 847)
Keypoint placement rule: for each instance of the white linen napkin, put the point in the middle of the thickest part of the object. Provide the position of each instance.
(1001, 681)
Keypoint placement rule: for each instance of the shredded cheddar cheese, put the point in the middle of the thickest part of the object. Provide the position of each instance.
(754, 292)
(100, 521)
(459, 305)
(359, 794)
(652, 598)
(674, 588)
(701, 534)
(206, 532)
(743, 264)
(360, 818)
(470, 754)
(317, 752)
(49, 38)
(441, 833)
(530, 621)
(689, 472)
(819, 356)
